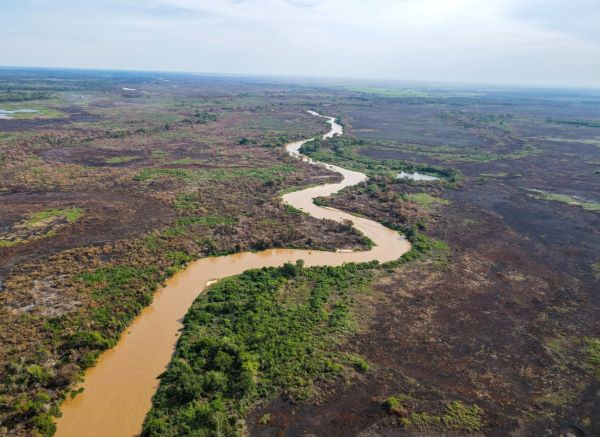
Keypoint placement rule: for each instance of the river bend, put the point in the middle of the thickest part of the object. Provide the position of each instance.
(118, 389)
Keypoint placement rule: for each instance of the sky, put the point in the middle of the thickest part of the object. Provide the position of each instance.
(522, 42)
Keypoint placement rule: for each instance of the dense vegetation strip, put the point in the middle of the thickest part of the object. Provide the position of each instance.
(252, 337)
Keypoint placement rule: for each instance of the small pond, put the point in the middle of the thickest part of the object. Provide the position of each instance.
(416, 176)
(6, 114)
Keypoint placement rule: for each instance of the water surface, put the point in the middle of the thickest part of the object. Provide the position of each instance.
(118, 390)
(416, 176)
(6, 114)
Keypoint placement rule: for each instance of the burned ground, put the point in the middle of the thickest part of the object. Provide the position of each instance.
(503, 322)
(132, 185)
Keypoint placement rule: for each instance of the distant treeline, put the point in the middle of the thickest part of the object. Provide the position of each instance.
(586, 123)
(22, 96)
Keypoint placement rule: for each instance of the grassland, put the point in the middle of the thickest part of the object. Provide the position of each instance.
(564, 198)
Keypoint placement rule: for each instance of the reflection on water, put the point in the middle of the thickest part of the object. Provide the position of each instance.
(6, 114)
(416, 176)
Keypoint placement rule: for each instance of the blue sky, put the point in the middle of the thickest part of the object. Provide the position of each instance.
(533, 42)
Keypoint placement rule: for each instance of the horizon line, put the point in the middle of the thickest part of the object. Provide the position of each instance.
(311, 77)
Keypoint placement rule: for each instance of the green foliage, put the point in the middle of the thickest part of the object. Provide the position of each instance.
(208, 220)
(179, 258)
(201, 117)
(596, 269)
(187, 201)
(10, 243)
(593, 352)
(458, 416)
(426, 201)
(564, 198)
(342, 151)
(584, 123)
(265, 419)
(391, 402)
(358, 362)
(292, 210)
(42, 224)
(23, 96)
(120, 292)
(242, 342)
(159, 154)
(191, 176)
(37, 373)
(70, 214)
(421, 420)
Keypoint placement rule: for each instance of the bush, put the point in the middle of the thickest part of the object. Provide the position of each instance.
(458, 416)
(391, 402)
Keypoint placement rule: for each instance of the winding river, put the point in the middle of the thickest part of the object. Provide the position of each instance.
(118, 390)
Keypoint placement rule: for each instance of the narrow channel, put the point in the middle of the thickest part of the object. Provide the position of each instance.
(118, 390)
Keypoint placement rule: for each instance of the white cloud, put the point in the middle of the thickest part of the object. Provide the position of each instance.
(451, 40)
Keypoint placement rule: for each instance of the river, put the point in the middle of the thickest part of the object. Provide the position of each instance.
(118, 390)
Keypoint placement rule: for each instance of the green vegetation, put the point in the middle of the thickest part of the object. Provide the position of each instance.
(41, 224)
(208, 220)
(9, 95)
(449, 154)
(9, 243)
(494, 175)
(255, 336)
(391, 403)
(423, 245)
(187, 201)
(596, 269)
(426, 201)
(583, 123)
(358, 362)
(390, 92)
(564, 198)
(185, 161)
(456, 416)
(201, 117)
(593, 352)
(131, 286)
(70, 214)
(342, 151)
(265, 419)
(119, 293)
(265, 174)
(421, 420)
(293, 210)
(460, 417)
(159, 154)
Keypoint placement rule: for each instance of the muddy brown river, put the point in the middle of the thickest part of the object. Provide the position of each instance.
(118, 390)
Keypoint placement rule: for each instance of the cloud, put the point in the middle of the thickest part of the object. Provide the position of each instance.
(538, 41)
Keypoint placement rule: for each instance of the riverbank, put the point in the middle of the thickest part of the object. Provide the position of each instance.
(118, 390)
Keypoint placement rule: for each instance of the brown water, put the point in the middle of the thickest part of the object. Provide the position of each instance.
(118, 390)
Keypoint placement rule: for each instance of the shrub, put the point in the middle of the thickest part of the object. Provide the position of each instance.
(459, 416)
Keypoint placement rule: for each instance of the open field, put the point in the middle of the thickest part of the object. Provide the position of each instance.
(489, 327)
